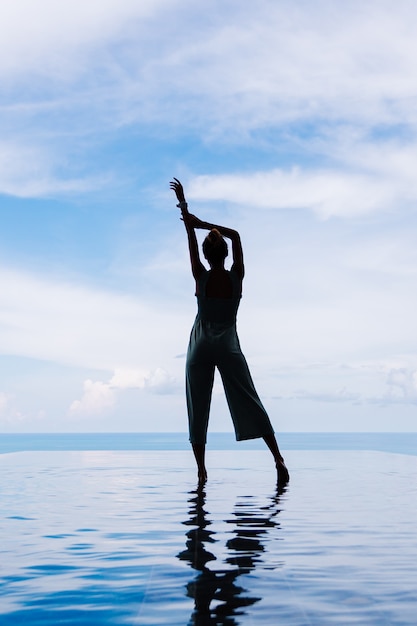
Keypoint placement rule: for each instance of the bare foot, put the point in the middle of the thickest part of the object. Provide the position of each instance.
(283, 474)
(202, 477)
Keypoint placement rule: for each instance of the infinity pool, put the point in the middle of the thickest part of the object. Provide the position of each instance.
(126, 538)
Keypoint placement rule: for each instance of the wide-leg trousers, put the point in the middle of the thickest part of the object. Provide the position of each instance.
(217, 345)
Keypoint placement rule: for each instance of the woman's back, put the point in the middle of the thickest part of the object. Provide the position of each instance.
(219, 284)
(218, 294)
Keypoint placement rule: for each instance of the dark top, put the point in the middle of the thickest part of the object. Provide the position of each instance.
(218, 310)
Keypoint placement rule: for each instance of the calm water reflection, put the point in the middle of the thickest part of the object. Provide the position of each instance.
(218, 598)
(94, 538)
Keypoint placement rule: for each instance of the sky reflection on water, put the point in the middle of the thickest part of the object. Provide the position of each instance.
(124, 538)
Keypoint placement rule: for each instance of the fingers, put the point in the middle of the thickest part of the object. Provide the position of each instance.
(177, 187)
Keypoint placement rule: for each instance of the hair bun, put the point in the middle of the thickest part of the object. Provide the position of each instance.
(215, 237)
(215, 246)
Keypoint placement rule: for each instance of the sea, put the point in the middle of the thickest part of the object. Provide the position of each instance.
(112, 528)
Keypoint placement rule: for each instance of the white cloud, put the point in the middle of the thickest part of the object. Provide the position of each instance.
(129, 379)
(403, 384)
(75, 73)
(259, 65)
(158, 380)
(327, 82)
(327, 193)
(381, 383)
(99, 396)
(48, 319)
(47, 37)
(248, 66)
(365, 177)
(31, 172)
(10, 416)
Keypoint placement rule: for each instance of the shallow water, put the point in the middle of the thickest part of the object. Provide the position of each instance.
(125, 538)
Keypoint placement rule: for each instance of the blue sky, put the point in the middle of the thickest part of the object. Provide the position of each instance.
(294, 122)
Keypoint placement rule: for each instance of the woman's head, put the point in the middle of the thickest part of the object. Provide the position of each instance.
(215, 247)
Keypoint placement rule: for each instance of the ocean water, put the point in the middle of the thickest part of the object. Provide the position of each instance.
(404, 443)
(125, 537)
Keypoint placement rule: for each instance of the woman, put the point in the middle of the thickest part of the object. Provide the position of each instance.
(214, 343)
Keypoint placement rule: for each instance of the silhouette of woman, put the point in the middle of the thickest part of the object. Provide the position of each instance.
(214, 343)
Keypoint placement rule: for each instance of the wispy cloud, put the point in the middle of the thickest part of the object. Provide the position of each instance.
(79, 325)
(380, 383)
(325, 96)
(250, 66)
(79, 72)
(33, 172)
(43, 38)
(269, 64)
(326, 193)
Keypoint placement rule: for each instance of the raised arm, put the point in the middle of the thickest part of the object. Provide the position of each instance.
(196, 265)
(192, 222)
(233, 235)
(237, 252)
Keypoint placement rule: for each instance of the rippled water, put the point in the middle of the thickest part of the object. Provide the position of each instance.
(125, 538)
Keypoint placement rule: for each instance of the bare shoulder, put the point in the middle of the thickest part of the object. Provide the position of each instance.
(239, 270)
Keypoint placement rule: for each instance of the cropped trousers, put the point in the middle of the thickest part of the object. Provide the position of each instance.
(214, 345)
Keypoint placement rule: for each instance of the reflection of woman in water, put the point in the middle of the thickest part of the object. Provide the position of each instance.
(215, 583)
(214, 343)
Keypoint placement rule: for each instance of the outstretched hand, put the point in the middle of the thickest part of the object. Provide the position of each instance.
(190, 220)
(178, 189)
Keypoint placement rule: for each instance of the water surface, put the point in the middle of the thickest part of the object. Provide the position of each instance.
(102, 537)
